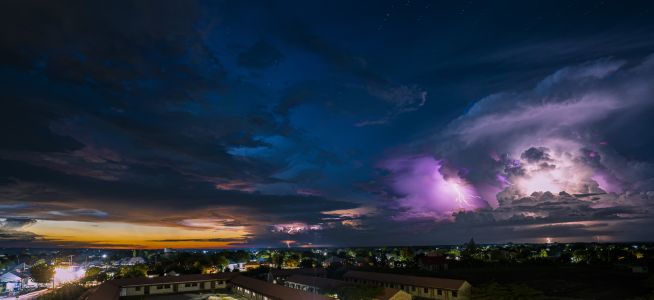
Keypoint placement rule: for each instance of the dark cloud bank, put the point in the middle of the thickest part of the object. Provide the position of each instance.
(161, 112)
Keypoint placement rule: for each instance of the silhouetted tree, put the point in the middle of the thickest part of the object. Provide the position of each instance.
(42, 273)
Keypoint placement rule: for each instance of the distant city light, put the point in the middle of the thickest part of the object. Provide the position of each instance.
(104, 256)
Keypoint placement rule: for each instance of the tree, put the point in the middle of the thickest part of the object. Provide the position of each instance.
(471, 250)
(42, 273)
(221, 261)
(307, 263)
(135, 271)
(92, 272)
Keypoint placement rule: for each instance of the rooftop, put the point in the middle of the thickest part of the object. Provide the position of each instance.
(110, 290)
(275, 291)
(429, 282)
(327, 284)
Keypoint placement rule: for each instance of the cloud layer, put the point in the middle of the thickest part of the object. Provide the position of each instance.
(316, 124)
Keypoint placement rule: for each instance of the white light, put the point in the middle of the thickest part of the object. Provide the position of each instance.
(104, 256)
(67, 274)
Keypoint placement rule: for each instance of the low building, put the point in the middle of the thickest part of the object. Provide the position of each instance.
(236, 266)
(114, 289)
(12, 281)
(278, 276)
(326, 286)
(418, 286)
(247, 287)
(255, 289)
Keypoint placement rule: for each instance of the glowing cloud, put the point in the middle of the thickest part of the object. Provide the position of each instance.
(428, 189)
(294, 228)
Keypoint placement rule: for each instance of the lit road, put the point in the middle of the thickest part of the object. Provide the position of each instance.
(32, 295)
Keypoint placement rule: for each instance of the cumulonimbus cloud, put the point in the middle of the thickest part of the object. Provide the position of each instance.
(555, 137)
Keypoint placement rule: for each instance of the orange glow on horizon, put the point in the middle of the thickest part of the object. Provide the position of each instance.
(117, 235)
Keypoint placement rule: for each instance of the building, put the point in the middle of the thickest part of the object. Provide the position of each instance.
(247, 287)
(114, 289)
(236, 266)
(418, 286)
(255, 289)
(279, 275)
(12, 282)
(325, 286)
(251, 265)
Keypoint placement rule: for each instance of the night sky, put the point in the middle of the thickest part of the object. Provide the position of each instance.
(187, 124)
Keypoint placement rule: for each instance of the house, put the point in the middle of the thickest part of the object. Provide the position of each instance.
(418, 286)
(20, 268)
(14, 281)
(236, 266)
(328, 286)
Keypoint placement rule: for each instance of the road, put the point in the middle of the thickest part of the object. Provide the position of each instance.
(28, 296)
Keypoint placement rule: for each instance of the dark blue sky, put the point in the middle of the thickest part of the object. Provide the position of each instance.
(326, 122)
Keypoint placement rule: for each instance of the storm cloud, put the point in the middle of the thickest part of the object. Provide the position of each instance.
(314, 125)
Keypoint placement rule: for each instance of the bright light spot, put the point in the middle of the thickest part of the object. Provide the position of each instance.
(539, 182)
(104, 256)
(67, 274)
(548, 240)
(293, 228)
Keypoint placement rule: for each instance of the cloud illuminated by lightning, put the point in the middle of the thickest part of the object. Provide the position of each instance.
(428, 189)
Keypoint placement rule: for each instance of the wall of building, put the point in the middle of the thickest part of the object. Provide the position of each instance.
(132, 291)
(302, 287)
(161, 289)
(181, 287)
(423, 292)
(248, 294)
(189, 286)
